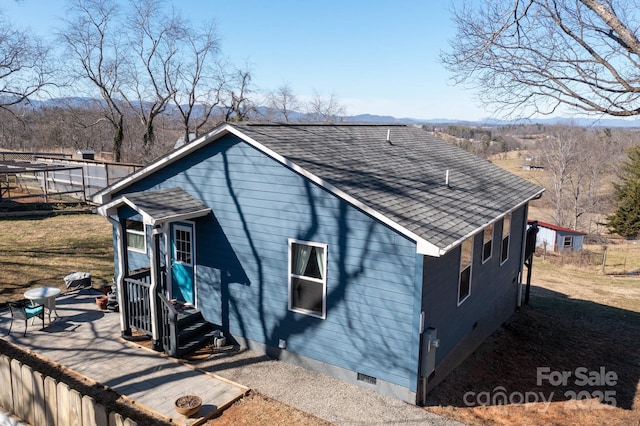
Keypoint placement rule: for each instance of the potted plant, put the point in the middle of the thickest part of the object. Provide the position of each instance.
(101, 301)
(188, 405)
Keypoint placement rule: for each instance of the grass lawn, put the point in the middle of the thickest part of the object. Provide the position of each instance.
(41, 251)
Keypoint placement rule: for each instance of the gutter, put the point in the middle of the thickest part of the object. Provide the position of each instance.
(459, 241)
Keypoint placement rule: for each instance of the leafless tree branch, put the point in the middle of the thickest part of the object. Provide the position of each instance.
(536, 56)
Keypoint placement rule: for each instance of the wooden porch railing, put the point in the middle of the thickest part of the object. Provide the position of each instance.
(168, 326)
(138, 293)
(139, 304)
(178, 331)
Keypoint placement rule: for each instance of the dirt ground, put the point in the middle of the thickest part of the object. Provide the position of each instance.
(578, 324)
(257, 410)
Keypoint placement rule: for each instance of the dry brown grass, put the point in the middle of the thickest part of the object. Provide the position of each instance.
(576, 318)
(41, 251)
(257, 410)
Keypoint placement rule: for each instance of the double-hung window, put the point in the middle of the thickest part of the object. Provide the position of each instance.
(567, 242)
(136, 237)
(308, 278)
(487, 243)
(506, 231)
(466, 259)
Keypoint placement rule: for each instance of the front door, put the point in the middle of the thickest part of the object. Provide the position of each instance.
(182, 251)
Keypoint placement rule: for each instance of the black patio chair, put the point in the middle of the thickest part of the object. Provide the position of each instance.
(23, 311)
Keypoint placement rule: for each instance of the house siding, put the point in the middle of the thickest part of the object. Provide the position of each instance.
(576, 241)
(546, 238)
(494, 290)
(135, 259)
(242, 255)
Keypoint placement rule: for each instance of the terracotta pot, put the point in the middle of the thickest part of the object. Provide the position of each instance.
(101, 301)
(188, 405)
(106, 289)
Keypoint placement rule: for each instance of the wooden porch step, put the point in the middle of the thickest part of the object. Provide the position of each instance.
(193, 331)
(196, 342)
(189, 316)
(185, 332)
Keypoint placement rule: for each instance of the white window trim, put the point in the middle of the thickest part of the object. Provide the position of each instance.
(485, 242)
(136, 232)
(470, 266)
(321, 281)
(190, 230)
(564, 241)
(508, 236)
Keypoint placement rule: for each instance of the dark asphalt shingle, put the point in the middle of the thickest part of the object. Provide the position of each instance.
(164, 204)
(404, 178)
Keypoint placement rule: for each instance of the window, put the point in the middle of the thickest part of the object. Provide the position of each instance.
(506, 231)
(308, 278)
(466, 258)
(182, 244)
(487, 243)
(567, 242)
(136, 237)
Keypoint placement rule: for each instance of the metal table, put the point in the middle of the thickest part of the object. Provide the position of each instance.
(45, 296)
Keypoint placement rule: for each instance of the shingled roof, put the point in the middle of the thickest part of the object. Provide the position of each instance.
(400, 180)
(159, 206)
(403, 178)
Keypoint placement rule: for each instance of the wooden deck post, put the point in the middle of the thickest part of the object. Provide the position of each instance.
(123, 270)
(153, 290)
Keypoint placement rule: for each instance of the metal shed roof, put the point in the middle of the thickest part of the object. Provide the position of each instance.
(17, 167)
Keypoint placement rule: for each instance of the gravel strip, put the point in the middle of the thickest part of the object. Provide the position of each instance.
(323, 396)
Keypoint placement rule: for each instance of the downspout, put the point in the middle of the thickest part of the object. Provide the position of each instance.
(523, 250)
(153, 289)
(120, 287)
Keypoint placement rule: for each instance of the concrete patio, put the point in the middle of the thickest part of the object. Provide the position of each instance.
(87, 340)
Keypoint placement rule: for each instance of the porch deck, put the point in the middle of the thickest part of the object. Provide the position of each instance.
(87, 340)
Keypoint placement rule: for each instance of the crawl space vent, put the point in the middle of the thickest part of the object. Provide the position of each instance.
(367, 379)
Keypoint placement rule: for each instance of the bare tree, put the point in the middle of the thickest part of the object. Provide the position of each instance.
(198, 79)
(25, 66)
(94, 39)
(284, 102)
(535, 56)
(14, 132)
(238, 105)
(576, 160)
(326, 110)
(559, 156)
(155, 39)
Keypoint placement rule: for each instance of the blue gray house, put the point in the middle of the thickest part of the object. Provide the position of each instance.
(374, 253)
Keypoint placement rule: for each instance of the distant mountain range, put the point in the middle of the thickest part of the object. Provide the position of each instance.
(79, 102)
(583, 122)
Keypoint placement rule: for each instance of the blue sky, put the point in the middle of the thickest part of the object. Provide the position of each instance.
(377, 57)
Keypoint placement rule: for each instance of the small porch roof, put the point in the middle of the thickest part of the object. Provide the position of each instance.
(159, 206)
